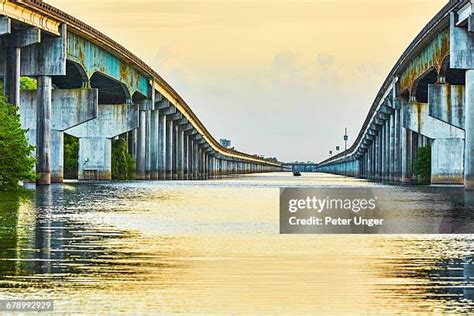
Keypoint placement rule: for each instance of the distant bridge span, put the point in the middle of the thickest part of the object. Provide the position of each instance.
(300, 167)
(427, 99)
(93, 88)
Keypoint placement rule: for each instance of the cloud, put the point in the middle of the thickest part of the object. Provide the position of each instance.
(289, 108)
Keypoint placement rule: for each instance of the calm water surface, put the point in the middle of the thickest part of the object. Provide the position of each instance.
(201, 247)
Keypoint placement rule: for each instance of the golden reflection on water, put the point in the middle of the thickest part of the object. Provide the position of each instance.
(214, 247)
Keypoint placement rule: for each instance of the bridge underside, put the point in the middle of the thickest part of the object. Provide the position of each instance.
(93, 89)
(427, 100)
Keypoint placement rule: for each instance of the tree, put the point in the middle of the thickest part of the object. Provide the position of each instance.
(422, 165)
(16, 161)
(27, 83)
(71, 156)
(123, 165)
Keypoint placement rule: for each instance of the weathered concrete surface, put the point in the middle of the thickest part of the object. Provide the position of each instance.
(469, 127)
(154, 145)
(141, 145)
(12, 75)
(13, 41)
(447, 150)
(94, 58)
(431, 56)
(111, 121)
(162, 136)
(69, 108)
(447, 161)
(446, 103)
(43, 131)
(417, 119)
(46, 59)
(95, 144)
(95, 158)
(461, 46)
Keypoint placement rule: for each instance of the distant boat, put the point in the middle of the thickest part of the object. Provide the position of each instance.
(297, 174)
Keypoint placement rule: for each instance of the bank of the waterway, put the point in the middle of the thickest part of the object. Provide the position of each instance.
(214, 246)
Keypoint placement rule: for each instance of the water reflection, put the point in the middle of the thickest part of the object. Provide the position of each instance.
(456, 278)
(214, 247)
(45, 244)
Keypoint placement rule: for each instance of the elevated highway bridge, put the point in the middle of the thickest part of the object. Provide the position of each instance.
(91, 87)
(426, 99)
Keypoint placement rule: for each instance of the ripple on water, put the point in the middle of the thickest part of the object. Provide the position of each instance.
(214, 247)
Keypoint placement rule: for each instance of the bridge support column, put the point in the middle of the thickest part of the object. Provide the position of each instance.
(12, 75)
(406, 139)
(57, 156)
(95, 139)
(397, 154)
(205, 165)
(95, 158)
(185, 156)
(469, 127)
(447, 161)
(162, 142)
(42, 61)
(383, 151)
(377, 157)
(176, 153)
(190, 161)
(407, 155)
(209, 166)
(387, 151)
(69, 108)
(148, 145)
(214, 167)
(195, 160)
(392, 148)
(43, 133)
(199, 164)
(369, 162)
(380, 155)
(180, 158)
(141, 145)
(170, 137)
(154, 157)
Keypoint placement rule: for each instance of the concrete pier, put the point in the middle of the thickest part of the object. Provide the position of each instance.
(469, 127)
(141, 145)
(170, 138)
(154, 145)
(162, 136)
(43, 131)
(12, 75)
(95, 139)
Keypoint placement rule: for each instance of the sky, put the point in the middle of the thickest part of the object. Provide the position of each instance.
(280, 78)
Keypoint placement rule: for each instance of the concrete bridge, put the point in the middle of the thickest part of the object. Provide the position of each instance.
(94, 89)
(427, 99)
(300, 167)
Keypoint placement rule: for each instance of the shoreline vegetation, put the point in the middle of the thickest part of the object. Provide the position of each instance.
(16, 160)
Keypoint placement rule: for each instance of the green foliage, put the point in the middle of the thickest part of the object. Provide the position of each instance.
(123, 165)
(71, 157)
(16, 161)
(422, 165)
(27, 83)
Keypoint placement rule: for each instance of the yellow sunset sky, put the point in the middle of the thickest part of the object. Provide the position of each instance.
(279, 78)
